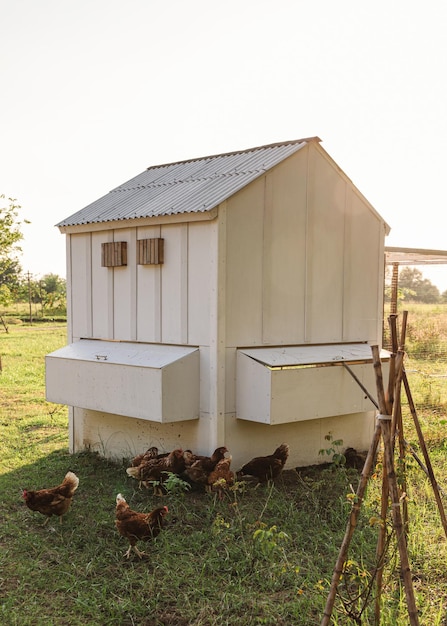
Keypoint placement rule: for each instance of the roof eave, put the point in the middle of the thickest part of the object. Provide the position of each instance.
(176, 218)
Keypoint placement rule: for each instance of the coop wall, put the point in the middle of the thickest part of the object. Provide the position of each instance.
(304, 258)
(302, 253)
(294, 258)
(119, 437)
(163, 303)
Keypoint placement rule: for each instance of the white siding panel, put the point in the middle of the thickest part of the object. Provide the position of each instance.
(149, 294)
(325, 247)
(363, 275)
(116, 436)
(174, 285)
(81, 286)
(248, 439)
(102, 289)
(285, 252)
(124, 289)
(244, 252)
(202, 278)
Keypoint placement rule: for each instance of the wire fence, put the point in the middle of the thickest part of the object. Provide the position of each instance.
(425, 361)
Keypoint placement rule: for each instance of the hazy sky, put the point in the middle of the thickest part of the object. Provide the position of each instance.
(95, 91)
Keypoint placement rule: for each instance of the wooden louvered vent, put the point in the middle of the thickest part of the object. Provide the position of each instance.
(114, 254)
(150, 251)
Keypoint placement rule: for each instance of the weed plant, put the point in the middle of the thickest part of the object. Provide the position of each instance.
(258, 556)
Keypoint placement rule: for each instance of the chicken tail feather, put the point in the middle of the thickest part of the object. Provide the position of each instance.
(282, 453)
(72, 480)
(133, 471)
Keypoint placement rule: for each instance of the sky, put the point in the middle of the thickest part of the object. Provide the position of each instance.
(96, 91)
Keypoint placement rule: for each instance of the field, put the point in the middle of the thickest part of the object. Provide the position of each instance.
(259, 556)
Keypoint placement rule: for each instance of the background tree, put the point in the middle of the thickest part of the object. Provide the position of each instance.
(52, 292)
(49, 292)
(10, 236)
(422, 289)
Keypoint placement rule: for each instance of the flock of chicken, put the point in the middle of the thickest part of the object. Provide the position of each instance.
(152, 468)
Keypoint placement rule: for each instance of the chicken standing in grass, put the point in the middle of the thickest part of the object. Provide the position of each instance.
(266, 468)
(55, 501)
(138, 526)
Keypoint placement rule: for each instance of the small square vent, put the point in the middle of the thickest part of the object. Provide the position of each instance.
(114, 254)
(150, 251)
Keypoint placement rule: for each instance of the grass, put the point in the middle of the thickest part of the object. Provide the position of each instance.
(261, 556)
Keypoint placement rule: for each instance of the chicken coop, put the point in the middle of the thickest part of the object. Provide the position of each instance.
(215, 301)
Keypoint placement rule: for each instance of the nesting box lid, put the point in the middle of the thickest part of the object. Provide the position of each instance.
(123, 352)
(289, 356)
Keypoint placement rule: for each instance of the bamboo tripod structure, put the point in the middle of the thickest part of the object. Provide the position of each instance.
(389, 425)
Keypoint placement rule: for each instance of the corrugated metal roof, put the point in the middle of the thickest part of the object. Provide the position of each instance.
(192, 186)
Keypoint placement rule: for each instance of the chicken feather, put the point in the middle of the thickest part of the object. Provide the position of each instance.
(266, 468)
(137, 526)
(54, 501)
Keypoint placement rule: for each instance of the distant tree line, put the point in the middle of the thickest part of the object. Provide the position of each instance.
(49, 291)
(413, 287)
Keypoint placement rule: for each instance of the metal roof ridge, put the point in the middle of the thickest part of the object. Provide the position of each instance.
(190, 179)
(234, 152)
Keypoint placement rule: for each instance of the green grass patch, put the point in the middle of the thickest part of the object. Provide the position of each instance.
(259, 556)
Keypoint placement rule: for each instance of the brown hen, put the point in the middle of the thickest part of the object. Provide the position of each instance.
(54, 501)
(266, 468)
(137, 526)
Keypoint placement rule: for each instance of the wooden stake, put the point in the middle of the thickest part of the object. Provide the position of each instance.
(385, 424)
(430, 472)
(397, 521)
(390, 414)
(350, 528)
(394, 287)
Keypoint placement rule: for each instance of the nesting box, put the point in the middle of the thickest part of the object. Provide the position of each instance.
(148, 382)
(250, 279)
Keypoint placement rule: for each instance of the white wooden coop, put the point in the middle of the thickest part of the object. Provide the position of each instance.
(214, 301)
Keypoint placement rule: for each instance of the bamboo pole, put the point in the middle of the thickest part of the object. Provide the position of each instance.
(399, 426)
(361, 385)
(385, 425)
(403, 330)
(386, 402)
(380, 548)
(397, 522)
(397, 422)
(405, 443)
(351, 526)
(397, 415)
(430, 472)
(390, 409)
(394, 287)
